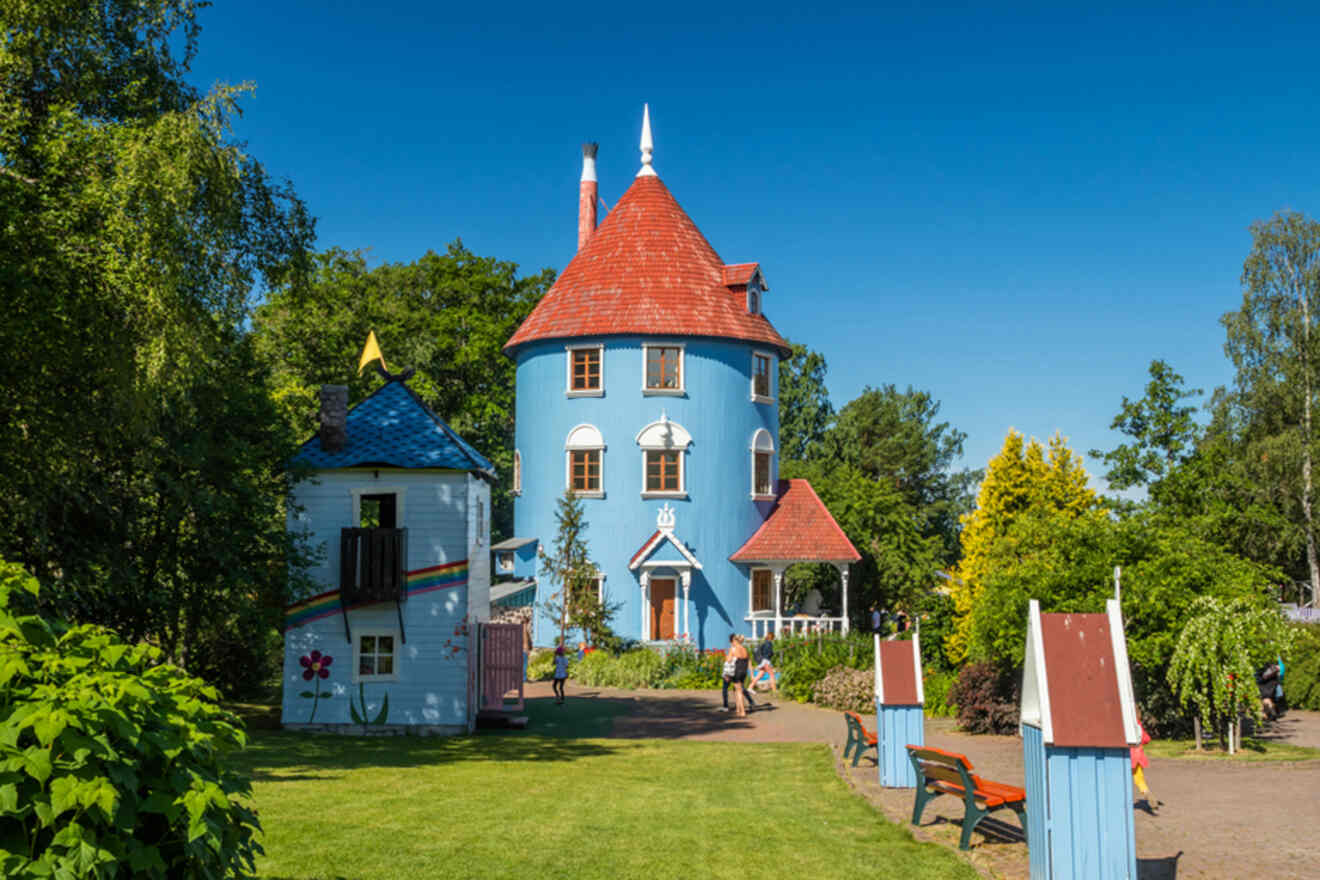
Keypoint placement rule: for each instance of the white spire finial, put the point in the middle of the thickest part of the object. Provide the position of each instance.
(647, 146)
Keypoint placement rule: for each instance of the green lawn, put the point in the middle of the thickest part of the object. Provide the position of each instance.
(544, 806)
(1252, 750)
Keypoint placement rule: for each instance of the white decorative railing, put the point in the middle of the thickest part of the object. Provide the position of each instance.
(797, 625)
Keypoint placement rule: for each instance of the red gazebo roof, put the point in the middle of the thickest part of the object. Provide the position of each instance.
(648, 270)
(798, 529)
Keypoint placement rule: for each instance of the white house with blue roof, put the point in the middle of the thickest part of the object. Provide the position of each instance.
(398, 506)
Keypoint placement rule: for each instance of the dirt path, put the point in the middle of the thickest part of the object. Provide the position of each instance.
(1218, 820)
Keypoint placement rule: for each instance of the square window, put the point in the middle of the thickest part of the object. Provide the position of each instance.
(664, 368)
(584, 369)
(375, 656)
(761, 376)
(662, 471)
(584, 470)
(504, 560)
(762, 477)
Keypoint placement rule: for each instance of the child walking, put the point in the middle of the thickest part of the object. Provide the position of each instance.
(561, 673)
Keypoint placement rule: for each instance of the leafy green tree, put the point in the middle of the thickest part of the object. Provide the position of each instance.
(1274, 345)
(142, 476)
(805, 411)
(894, 437)
(1022, 481)
(1214, 664)
(1164, 432)
(447, 315)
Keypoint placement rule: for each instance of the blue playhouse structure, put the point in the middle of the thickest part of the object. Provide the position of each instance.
(647, 384)
(1078, 724)
(900, 699)
(398, 506)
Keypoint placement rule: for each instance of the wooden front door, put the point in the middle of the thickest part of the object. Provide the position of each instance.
(662, 608)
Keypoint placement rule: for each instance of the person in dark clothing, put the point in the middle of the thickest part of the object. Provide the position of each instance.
(877, 619)
(1266, 679)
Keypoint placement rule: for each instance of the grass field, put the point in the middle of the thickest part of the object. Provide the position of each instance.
(553, 805)
(1252, 750)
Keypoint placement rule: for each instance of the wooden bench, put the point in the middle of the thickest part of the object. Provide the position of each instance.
(859, 738)
(940, 772)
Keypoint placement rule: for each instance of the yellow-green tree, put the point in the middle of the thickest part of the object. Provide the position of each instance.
(1025, 478)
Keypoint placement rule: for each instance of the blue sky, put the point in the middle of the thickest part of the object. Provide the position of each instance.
(1015, 208)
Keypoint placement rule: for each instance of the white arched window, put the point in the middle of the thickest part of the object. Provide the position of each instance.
(582, 461)
(763, 461)
(664, 445)
(517, 472)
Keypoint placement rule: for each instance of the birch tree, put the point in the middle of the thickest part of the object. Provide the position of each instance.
(1272, 342)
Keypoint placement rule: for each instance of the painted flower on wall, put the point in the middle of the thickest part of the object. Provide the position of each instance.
(315, 665)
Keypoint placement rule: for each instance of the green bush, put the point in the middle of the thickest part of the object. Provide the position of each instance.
(937, 686)
(690, 669)
(848, 690)
(804, 660)
(111, 762)
(541, 665)
(1301, 676)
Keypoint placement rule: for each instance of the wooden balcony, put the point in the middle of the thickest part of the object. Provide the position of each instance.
(372, 564)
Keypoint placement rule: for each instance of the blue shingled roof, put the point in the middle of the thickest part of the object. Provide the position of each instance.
(393, 428)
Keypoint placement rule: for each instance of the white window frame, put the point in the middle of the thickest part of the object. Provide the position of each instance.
(517, 472)
(681, 491)
(681, 440)
(569, 391)
(502, 557)
(570, 446)
(682, 370)
(600, 586)
(770, 360)
(751, 589)
(762, 443)
(397, 491)
(357, 654)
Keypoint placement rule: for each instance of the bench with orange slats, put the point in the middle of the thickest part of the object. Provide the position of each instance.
(859, 738)
(940, 772)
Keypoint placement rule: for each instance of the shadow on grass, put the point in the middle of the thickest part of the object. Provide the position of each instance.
(587, 713)
(289, 756)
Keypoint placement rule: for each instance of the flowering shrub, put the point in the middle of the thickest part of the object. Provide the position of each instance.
(849, 690)
(112, 763)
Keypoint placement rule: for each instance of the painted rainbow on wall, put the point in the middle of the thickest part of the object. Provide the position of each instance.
(423, 580)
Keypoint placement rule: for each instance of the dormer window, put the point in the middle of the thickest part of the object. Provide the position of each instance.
(753, 299)
(662, 369)
(585, 371)
(761, 378)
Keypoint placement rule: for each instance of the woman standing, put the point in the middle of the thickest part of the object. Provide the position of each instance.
(739, 653)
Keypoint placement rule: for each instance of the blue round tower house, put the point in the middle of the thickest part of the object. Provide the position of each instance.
(647, 384)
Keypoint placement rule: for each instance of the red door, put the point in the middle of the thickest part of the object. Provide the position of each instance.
(662, 608)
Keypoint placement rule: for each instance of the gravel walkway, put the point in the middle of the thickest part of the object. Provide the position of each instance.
(1218, 820)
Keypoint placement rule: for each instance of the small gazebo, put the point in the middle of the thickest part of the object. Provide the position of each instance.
(798, 529)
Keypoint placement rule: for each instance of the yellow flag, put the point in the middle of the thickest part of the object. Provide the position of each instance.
(371, 352)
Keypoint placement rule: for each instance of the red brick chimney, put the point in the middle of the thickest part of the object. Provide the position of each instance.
(587, 195)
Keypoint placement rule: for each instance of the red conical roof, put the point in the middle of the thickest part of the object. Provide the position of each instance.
(647, 270)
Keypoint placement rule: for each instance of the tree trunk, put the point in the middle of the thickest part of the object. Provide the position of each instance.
(1307, 438)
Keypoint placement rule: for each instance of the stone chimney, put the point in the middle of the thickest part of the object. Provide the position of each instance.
(334, 417)
(587, 195)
